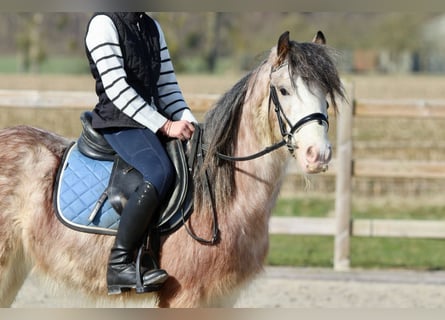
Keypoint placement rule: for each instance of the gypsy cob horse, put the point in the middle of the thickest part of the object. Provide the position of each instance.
(274, 114)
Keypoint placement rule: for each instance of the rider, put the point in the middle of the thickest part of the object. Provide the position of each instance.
(139, 99)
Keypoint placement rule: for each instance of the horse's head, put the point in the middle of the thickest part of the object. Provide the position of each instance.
(302, 76)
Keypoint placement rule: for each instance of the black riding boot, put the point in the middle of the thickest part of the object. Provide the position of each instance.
(135, 219)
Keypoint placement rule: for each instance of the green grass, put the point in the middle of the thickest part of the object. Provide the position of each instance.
(366, 252)
(308, 207)
(425, 254)
(302, 251)
(397, 211)
(60, 65)
(8, 64)
(391, 208)
(70, 65)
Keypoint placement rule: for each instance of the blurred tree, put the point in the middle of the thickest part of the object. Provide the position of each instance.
(400, 36)
(29, 42)
(220, 42)
(400, 31)
(215, 42)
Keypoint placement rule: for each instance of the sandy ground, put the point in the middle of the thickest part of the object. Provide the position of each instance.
(283, 287)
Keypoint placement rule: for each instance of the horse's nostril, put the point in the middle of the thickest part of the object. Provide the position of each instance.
(328, 154)
(312, 154)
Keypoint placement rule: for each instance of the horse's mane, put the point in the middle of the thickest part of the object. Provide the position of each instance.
(220, 130)
(313, 62)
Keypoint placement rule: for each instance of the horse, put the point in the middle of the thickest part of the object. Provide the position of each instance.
(275, 113)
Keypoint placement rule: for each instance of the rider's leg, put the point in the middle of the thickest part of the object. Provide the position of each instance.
(142, 149)
(135, 219)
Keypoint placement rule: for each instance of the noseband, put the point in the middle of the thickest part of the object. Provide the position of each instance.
(284, 123)
(282, 118)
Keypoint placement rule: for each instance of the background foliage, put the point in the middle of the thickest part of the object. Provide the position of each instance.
(216, 42)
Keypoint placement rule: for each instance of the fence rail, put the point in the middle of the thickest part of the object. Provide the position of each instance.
(400, 108)
(344, 167)
(79, 99)
(372, 168)
(430, 229)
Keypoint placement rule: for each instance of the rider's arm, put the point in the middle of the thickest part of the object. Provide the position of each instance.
(102, 41)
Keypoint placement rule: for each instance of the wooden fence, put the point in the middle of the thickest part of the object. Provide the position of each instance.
(349, 167)
(344, 167)
(79, 99)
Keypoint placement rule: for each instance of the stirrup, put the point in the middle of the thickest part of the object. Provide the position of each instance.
(117, 289)
(140, 287)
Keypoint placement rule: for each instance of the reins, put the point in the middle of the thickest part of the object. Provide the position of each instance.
(286, 135)
(196, 144)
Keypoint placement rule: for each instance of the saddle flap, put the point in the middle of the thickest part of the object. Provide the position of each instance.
(175, 150)
(123, 182)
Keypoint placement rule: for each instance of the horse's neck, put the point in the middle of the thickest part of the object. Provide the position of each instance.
(258, 181)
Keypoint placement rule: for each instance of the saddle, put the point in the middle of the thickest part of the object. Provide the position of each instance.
(100, 202)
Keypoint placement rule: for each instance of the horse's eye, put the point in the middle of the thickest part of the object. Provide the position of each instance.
(283, 92)
(327, 105)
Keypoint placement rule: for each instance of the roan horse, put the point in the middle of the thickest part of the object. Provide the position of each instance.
(294, 80)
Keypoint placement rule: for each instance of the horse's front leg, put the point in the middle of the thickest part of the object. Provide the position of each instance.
(13, 266)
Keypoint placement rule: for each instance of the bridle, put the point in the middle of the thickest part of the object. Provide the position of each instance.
(282, 118)
(287, 136)
(284, 123)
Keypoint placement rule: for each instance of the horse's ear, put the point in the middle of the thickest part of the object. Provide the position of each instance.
(282, 48)
(319, 38)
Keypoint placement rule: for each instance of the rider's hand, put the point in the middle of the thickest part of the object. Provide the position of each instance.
(181, 129)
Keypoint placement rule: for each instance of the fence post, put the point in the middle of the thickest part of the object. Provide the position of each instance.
(343, 192)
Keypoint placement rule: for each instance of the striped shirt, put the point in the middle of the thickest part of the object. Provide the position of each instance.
(102, 41)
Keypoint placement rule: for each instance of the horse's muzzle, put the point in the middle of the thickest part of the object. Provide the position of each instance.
(316, 160)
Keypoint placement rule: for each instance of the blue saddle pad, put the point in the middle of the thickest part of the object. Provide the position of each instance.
(81, 182)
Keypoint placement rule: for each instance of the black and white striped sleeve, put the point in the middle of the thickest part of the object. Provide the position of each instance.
(102, 42)
(171, 99)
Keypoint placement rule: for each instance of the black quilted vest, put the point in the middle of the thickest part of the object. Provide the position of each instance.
(141, 53)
